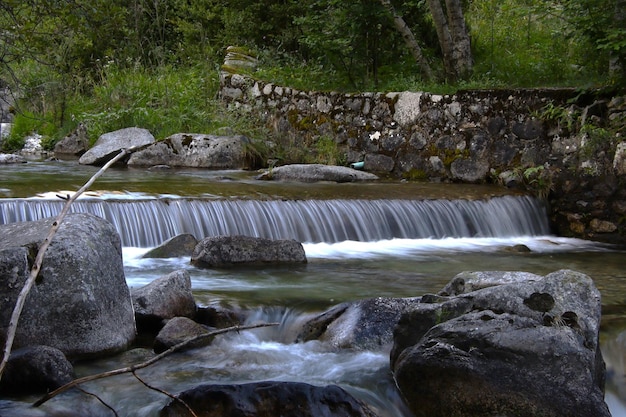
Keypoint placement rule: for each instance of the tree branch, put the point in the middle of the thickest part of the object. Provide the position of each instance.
(133, 368)
(34, 272)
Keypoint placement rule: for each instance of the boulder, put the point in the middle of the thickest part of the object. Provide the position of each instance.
(268, 399)
(221, 251)
(195, 150)
(110, 144)
(316, 172)
(164, 298)
(526, 348)
(363, 324)
(74, 144)
(219, 317)
(176, 247)
(36, 369)
(177, 330)
(80, 303)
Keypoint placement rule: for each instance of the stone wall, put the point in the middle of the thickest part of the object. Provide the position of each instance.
(562, 144)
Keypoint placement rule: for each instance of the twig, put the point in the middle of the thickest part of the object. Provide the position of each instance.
(175, 398)
(100, 400)
(147, 363)
(34, 272)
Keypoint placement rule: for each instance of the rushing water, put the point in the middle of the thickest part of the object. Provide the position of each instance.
(361, 240)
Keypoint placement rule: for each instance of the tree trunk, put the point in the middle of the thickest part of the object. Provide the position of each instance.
(461, 49)
(410, 40)
(453, 39)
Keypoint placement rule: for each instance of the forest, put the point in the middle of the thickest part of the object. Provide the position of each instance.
(110, 64)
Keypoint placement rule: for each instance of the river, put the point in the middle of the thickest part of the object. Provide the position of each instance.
(390, 239)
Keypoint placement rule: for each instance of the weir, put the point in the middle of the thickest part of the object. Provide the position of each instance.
(149, 222)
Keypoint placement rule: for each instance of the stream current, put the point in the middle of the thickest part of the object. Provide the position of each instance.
(387, 239)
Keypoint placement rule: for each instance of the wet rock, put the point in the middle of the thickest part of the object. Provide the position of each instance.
(164, 298)
(315, 173)
(110, 144)
(80, 304)
(222, 251)
(36, 369)
(178, 330)
(178, 246)
(268, 399)
(522, 348)
(364, 324)
(194, 150)
(219, 317)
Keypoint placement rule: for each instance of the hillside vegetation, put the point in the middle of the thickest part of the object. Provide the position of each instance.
(155, 64)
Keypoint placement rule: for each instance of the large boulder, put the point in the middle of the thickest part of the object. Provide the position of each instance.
(110, 144)
(315, 173)
(222, 251)
(528, 348)
(164, 298)
(268, 399)
(196, 151)
(80, 303)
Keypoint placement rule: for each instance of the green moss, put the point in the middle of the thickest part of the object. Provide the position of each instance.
(415, 175)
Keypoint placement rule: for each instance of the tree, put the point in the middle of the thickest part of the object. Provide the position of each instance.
(453, 39)
(409, 39)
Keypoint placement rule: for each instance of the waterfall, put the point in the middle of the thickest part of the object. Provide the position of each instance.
(149, 222)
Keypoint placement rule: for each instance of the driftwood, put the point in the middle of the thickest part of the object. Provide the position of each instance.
(133, 368)
(34, 272)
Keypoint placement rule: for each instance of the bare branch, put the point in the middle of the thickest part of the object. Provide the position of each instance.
(34, 272)
(175, 398)
(133, 368)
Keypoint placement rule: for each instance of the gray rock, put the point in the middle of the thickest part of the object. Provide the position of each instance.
(36, 369)
(178, 330)
(364, 324)
(164, 298)
(522, 348)
(74, 144)
(224, 251)
(469, 170)
(110, 144)
(195, 150)
(268, 399)
(316, 172)
(469, 281)
(80, 304)
(178, 246)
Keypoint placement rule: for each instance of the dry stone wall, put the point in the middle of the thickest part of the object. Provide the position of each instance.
(562, 144)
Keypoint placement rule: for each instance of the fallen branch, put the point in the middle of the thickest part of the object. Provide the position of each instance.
(34, 272)
(173, 397)
(133, 368)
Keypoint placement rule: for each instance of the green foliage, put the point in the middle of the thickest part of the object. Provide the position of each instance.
(165, 101)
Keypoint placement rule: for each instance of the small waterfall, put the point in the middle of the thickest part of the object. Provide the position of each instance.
(149, 222)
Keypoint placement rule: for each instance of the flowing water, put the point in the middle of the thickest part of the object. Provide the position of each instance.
(388, 239)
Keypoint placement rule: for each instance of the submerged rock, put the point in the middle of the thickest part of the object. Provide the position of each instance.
(178, 330)
(363, 324)
(221, 251)
(268, 399)
(529, 347)
(181, 245)
(316, 172)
